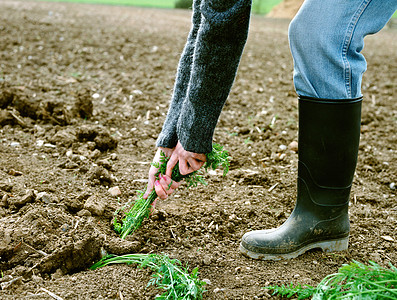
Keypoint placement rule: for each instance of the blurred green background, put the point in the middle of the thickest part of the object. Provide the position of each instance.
(261, 7)
(258, 6)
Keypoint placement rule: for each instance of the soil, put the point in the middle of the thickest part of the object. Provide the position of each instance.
(84, 91)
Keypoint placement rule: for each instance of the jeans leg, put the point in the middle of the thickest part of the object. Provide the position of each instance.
(326, 39)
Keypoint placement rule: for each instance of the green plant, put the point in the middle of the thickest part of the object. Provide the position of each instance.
(185, 4)
(141, 208)
(353, 281)
(169, 274)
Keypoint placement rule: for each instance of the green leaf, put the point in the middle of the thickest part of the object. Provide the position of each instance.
(352, 281)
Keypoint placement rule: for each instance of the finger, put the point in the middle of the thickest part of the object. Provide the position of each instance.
(169, 191)
(149, 188)
(171, 164)
(161, 193)
(195, 164)
(199, 156)
(153, 206)
(168, 184)
(184, 167)
(174, 184)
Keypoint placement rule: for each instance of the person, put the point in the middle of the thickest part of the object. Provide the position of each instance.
(326, 39)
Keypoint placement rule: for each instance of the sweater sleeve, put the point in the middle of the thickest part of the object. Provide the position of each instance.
(168, 137)
(219, 44)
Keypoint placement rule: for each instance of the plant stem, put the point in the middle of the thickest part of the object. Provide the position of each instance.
(169, 274)
(147, 203)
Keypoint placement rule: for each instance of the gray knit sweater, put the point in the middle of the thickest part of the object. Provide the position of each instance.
(206, 71)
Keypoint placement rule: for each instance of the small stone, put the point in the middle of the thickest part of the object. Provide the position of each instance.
(27, 198)
(95, 154)
(207, 260)
(4, 201)
(105, 163)
(387, 238)
(95, 205)
(69, 153)
(75, 157)
(392, 186)
(114, 191)
(58, 274)
(37, 279)
(84, 213)
(282, 147)
(44, 197)
(280, 156)
(217, 290)
(137, 92)
(101, 175)
(68, 165)
(293, 146)
(65, 227)
(15, 144)
(64, 137)
(113, 156)
(49, 145)
(39, 143)
(13, 172)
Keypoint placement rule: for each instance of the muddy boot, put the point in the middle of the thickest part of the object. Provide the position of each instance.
(329, 133)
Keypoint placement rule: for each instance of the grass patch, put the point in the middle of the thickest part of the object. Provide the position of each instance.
(258, 6)
(263, 7)
(142, 3)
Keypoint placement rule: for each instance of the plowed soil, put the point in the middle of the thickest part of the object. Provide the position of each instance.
(84, 91)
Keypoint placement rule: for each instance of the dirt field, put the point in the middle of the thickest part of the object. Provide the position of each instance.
(83, 94)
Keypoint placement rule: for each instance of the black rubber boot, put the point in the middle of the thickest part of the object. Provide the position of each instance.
(329, 133)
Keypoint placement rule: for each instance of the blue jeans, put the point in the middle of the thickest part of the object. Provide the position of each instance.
(326, 38)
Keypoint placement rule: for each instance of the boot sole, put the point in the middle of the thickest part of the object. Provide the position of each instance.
(326, 246)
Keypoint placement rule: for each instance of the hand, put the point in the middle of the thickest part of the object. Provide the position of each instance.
(163, 186)
(188, 161)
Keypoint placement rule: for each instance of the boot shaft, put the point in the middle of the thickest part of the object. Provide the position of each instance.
(329, 134)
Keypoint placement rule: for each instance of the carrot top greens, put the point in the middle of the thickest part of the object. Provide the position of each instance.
(141, 208)
(169, 274)
(352, 281)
